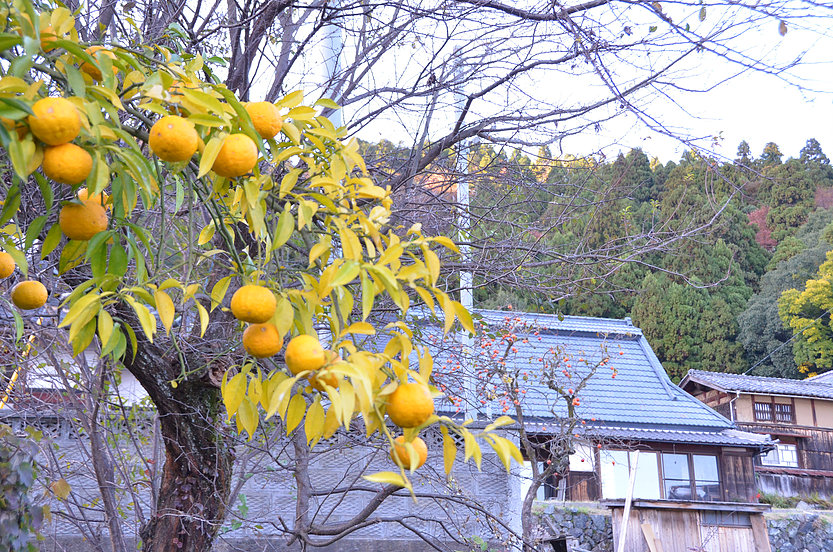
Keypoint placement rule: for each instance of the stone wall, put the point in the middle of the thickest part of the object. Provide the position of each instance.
(585, 527)
(800, 532)
(588, 528)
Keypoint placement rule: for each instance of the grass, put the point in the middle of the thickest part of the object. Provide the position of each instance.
(784, 502)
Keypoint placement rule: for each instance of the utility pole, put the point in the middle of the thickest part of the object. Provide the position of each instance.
(332, 47)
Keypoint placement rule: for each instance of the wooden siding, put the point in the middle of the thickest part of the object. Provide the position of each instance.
(814, 445)
(738, 477)
(682, 530)
(583, 487)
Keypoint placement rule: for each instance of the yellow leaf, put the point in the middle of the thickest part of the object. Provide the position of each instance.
(319, 249)
(361, 328)
(368, 295)
(350, 245)
(426, 297)
(449, 450)
(291, 100)
(284, 315)
(146, 319)
(331, 423)
(247, 418)
(346, 273)
(432, 261)
(280, 398)
(446, 242)
(301, 113)
(60, 488)
(295, 412)
(464, 316)
(105, 327)
(218, 292)
(233, 393)
(348, 403)
(314, 424)
(209, 154)
(426, 365)
(203, 317)
(388, 478)
(78, 307)
(206, 234)
(165, 308)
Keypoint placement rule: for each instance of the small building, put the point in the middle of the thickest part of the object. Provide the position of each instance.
(693, 469)
(799, 413)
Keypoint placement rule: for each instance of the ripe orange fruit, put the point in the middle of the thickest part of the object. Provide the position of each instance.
(252, 303)
(6, 265)
(92, 70)
(82, 221)
(55, 121)
(67, 163)
(410, 405)
(102, 198)
(323, 375)
(304, 353)
(29, 294)
(266, 118)
(262, 340)
(17, 126)
(237, 156)
(173, 139)
(401, 452)
(48, 38)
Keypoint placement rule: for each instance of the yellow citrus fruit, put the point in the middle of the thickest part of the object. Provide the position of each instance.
(6, 265)
(237, 156)
(262, 340)
(67, 163)
(304, 353)
(173, 139)
(102, 198)
(92, 70)
(55, 121)
(410, 405)
(29, 294)
(82, 221)
(266, 118)
(252, 303)
(48, 38)
(323, 375)
(17, 126)
(400, 451)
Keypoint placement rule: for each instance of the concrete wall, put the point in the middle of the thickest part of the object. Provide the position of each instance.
(450, 512)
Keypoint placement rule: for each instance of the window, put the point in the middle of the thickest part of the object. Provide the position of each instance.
(784, 413)
(615, 469)
(690, 477)
(784, 455)
(583, 459)
(763, 412)
(727, 519)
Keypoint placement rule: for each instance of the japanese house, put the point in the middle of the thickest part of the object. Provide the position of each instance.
(694, 468)
(799, 413)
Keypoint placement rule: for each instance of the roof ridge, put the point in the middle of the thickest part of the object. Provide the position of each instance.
(747, 376)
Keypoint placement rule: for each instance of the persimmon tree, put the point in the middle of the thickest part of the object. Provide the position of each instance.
(150, 290)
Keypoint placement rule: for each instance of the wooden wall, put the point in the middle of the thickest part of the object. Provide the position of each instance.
(681, 530)
(737, 471)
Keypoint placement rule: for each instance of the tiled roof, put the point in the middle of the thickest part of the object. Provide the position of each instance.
(821, 388)
(640, 394)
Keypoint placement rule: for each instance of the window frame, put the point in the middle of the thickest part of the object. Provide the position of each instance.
(792, 447)
(786, 408)
(764, 406)
(693, 481)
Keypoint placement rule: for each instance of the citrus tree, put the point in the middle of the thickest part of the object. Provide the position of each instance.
(184, 235)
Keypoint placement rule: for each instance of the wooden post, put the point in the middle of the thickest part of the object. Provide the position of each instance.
(623, 531)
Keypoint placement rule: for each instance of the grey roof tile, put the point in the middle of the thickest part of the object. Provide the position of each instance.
(640, 393)
(822, 388)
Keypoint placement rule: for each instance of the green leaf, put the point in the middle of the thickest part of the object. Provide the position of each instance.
(118, 260)
(284, 229)
(72, 255)
(34, 230)
(11, 204)
(51, 241)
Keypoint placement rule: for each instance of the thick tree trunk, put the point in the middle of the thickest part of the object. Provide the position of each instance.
(195, 485)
